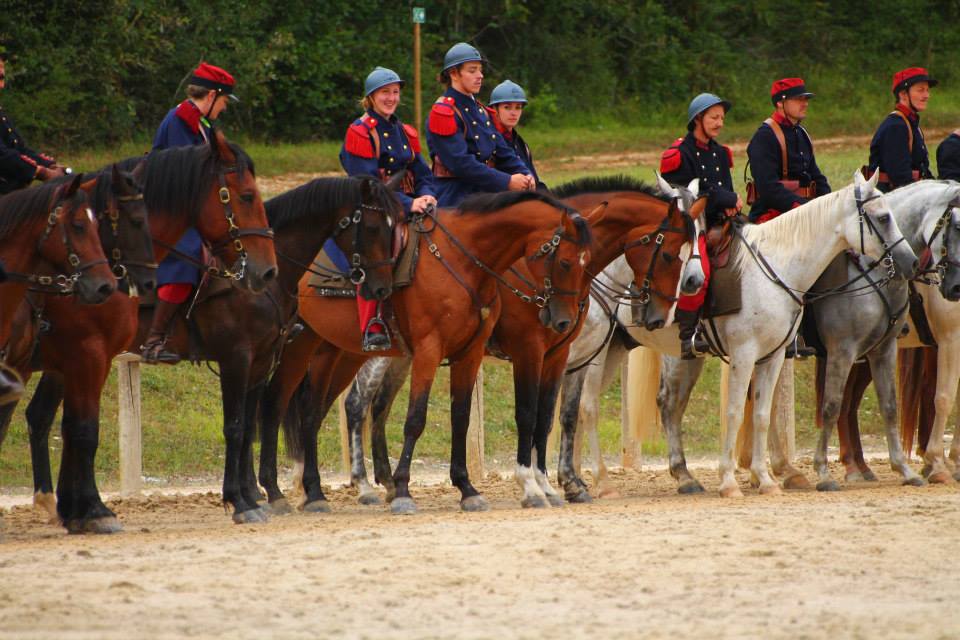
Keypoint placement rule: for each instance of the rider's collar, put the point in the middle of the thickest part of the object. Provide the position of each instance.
(461, 98)
(781, 119)
(907, 111)
(392, 120)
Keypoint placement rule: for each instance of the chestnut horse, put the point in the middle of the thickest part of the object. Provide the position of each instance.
(633, 219)
(448, 312)
(211, 187)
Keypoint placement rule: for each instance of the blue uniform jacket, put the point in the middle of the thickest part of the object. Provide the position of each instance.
(687, 159)
(522, 149)
(765, 167)
(18, 162)
(462, 136)
(948, 157)
(889, 150)
(183, 126)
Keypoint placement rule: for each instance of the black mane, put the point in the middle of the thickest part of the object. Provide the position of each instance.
(25, 205)
(605, 184)
(176, 180)
(487, 202)
(324, 196)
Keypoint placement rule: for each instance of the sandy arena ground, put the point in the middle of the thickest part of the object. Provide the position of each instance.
(873, 561)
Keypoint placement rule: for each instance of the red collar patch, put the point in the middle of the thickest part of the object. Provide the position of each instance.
(190, 114)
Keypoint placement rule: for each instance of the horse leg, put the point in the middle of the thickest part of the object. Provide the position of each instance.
(357, 407)
(765, 382)
(78, 500)
(463, 377)
(425, 363)
(837, 370)
(574, 488)
(848, 424)
(250, 489)
(883, 361)
(234, 376)
(40, 415)
(393, 379)
(948, 374)
(782, 437)
(526, 383)
(596, 381)
(677, 378)
(741, 370)
(546, 406)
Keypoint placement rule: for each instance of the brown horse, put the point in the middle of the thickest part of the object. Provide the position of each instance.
(210, 187)
(632, 219)
(44, 228)
(448, 312)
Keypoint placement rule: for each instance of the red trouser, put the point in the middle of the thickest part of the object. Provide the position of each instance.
(367, 309)
(175, 292)
(695, 301)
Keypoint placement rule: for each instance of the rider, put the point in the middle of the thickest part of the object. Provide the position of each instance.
(19, 164)
(898, 150)
(699, 155)
(189, 123)
(468, 153)
(379, 144)
(948, 157)
(780, 188)
(507, 102)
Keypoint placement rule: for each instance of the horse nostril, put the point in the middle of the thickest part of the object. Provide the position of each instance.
(149, 285)
(653, 326)
(561, 326)
(955, 290)
(269, 274)
(105, 290)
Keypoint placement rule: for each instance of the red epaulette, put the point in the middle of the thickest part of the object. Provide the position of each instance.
(442, 120)
(358, 140)
(189, 113)
(28, 160)
(729, 154)
(671, 159)
(413, 136)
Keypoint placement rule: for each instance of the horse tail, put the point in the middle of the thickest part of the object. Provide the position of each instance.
(909, 369)
(928, 396)
(293, 419)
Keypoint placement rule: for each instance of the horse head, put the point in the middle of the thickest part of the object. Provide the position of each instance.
(873, 229)
(945, 250)
(124, 229)
(558, 261)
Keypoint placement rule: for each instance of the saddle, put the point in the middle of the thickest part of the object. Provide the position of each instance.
(724, 294)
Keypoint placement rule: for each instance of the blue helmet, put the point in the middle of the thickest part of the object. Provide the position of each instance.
(701, 103)
(507, 91)
(460, 53)
(380, 77)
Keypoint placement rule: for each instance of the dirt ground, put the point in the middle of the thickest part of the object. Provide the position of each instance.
(872, 561)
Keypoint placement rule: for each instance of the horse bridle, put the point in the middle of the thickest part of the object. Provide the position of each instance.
(118, 264)
(886, 259)
(358, 264)
(943, 224)
(60, 283)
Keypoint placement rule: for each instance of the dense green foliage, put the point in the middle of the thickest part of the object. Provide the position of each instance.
(107, 70)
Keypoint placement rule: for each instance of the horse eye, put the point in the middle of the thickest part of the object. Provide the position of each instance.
(884, 219)
(565, 265)
(667, 257)
(78, 226)
(246, 197)
(137, 223)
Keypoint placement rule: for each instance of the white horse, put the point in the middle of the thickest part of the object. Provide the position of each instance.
(777, 262)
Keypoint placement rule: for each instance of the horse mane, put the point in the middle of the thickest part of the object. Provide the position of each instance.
(25, 205)
(323, 196)
(790, 229)
(176, 180)
(488, 202)
(606, 184)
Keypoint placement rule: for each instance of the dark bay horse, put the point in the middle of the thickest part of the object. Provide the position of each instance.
(211, 187)
(634, 219)
(448, 312)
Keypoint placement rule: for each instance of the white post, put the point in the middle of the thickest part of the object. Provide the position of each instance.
(131, 445)
(475, 432)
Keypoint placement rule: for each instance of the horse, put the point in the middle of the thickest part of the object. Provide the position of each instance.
(211, 187)
(447, 312)
(634, 221)
(766, 259)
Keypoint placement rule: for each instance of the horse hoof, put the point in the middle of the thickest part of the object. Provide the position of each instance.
(770, 490)
(369, 499)
(731, 492)
(317, 506)
(828, 485)
(280, 507)
(608, 493)
(690, 487)
(107, 524)
(939, 477)
(474, 503)
(251, 516)
(914, 481)
(870, 476)
(555, 500)
(534, 502)
(956, 476)
(797, 483)
(580, 496)
(403, 507)
(853, 477)
(925, 470)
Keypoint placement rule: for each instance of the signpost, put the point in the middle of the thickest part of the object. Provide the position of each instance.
(419, 15)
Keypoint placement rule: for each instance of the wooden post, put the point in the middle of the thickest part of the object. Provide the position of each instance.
(630, 454)
(475, 431)
(131, 445)
(644, 385)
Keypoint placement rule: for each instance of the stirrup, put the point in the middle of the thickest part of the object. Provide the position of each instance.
(798, 350)
(295, 330)
(696, 347)
(376, 341)
(154, 352)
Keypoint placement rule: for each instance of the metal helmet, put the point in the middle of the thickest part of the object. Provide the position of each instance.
(703, 102)
(460, 53)
(380, 77)
(507, 91)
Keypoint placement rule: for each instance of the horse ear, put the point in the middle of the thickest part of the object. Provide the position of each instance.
(874, 179)
(694, 187)
(115, 178)
(597, 214)
(73, 186)
(699, 206)
(221, 149)
(665, 187)
(393, 184)
(858, 178)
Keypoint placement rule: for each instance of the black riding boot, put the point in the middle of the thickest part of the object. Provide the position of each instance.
(798, 349)
(153, 350)
(692, 343)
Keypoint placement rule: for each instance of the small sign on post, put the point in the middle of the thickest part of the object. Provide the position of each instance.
(419, 15)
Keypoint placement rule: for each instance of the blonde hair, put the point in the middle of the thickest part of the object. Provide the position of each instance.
(366, 103)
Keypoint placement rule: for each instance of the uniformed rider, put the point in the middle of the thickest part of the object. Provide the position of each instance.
(948, 157)
(783, 186)
(469, 155)
(507, 102)
(19, 164)
(209, 91)
(898, 149)
(699, 155)
(378, 144)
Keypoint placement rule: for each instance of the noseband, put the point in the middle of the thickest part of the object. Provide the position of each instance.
(358, 263)
(119, 264)
(886, 259)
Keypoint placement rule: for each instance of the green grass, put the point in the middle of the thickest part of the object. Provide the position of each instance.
(181, 405)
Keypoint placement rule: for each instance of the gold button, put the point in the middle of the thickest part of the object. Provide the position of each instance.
(474, 123)
(476, 137)
(389, 147)
(386, 135)
(404, 146)
(391, 158)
